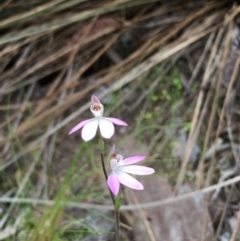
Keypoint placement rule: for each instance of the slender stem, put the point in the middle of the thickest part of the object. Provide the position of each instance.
(105, 174)
(101, 148)
(117, 224)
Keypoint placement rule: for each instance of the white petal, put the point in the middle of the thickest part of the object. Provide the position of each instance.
(138, 170)
(90, 130)
(119, 157)
(128, 180)
(79, 126)
(114, 164)
(106, 128)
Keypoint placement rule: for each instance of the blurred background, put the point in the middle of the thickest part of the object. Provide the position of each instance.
(170, 69)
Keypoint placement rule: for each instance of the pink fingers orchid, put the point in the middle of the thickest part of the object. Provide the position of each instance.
(105, 124)
(120, 169)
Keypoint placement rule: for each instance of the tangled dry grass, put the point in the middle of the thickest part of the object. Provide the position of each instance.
(54, 54)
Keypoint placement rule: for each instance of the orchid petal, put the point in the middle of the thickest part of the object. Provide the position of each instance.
(95, 100)
(90, 130)
(128, 180)
(79, 125)
(138, 170)
(119, 157)
(116, 121)
(106, 128)
(113, 183)
(113, 164)
(133, 159)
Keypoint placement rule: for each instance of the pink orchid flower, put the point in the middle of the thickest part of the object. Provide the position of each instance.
(105, 124)
(120, 169)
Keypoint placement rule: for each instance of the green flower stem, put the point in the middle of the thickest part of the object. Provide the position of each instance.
(117, 225)
(105, 174)
(101, 148)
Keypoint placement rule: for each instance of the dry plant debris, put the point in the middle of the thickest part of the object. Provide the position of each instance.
(54, 54)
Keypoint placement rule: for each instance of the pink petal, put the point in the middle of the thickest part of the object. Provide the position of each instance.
(106, 128)
(116, 121)
(113, 183)
(95, 100)
(138, 170)
(90, 129)
(79, 126)
(133, 159)
(128, 180)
